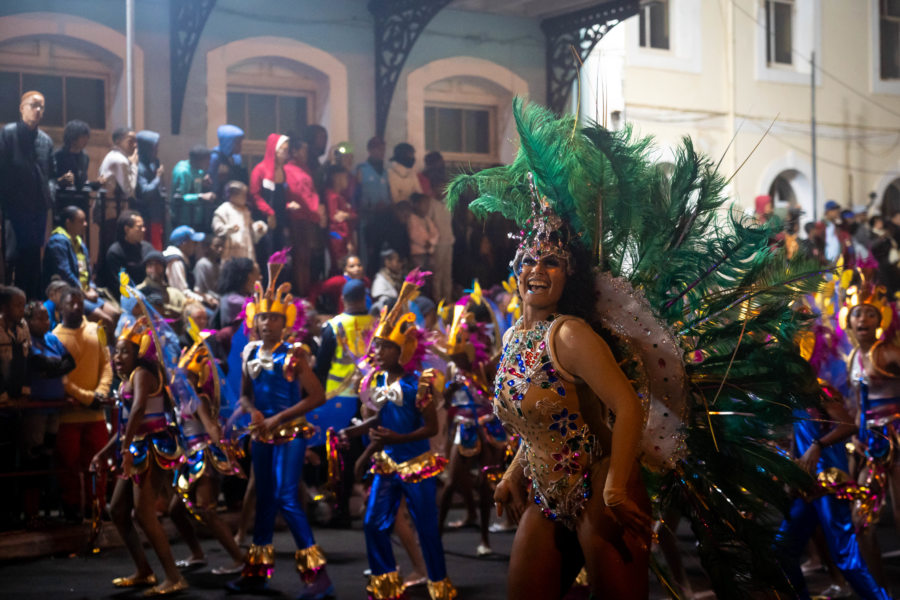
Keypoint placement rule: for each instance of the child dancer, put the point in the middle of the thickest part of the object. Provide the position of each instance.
(275, 375)
(405, 465)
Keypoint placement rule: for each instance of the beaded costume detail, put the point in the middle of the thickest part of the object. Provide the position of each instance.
(533, 401)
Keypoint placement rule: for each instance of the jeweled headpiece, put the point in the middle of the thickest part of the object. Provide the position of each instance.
(139, 333)
(398, 325)
(543, 234)
(273, 300)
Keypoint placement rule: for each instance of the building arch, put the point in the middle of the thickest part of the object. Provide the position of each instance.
(89, 34)
(887, 194)
(499, 83)
(794, 173)
(331, 109)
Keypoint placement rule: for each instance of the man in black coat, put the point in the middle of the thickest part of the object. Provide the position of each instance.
(26, 164)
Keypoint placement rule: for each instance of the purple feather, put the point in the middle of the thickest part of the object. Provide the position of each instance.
(280, 257)
(417, 277)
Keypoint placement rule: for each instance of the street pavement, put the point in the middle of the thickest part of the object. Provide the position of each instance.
(88, 576)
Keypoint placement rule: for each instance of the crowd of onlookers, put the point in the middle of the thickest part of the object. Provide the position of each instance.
(194, 243)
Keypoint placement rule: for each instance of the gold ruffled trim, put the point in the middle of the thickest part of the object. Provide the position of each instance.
(427, 464)
(309, 559)
(441, 590)
(285, 432)
(387, 586)
(260, 561)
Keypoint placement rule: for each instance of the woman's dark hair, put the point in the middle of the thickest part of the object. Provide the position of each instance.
(74, 129)
(234, 275)
(67, 214)
(579, 295)
(386, 254)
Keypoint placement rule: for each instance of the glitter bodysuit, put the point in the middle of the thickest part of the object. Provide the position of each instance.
(535, 400)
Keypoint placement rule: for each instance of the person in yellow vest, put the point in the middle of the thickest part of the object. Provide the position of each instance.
(344, 341)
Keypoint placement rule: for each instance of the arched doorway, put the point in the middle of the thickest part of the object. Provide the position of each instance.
(791, 193)
(890, 199)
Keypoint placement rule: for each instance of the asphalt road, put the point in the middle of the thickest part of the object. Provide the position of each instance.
(476, 578)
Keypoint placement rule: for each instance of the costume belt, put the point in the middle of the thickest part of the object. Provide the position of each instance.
(414, 470)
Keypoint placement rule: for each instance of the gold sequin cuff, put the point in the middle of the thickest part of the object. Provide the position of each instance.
(387, 586)
(285, 432)
(260, 561)
(309, 562)
(441, 590)
(414, 470)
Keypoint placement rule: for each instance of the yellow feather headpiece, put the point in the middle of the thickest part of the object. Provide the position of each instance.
(458, 336)
(399, 325)
(139, 333)
(273, 300)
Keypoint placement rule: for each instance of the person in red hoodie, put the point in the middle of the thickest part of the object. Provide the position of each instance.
(285, 194)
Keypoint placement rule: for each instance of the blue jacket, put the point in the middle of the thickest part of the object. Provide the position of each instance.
(60, 259)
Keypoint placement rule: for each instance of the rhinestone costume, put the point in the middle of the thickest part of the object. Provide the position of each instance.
(534, 402)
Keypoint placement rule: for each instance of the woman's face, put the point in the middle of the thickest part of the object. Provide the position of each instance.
(864, 322)
(124, 358)
(542, 280)
(281, 153)
(270, 327)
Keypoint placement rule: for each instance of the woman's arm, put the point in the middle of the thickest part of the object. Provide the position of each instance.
(584, 354)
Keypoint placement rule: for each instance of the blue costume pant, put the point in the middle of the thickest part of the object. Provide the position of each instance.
(834, 517)
(384, 500)
(278, 468)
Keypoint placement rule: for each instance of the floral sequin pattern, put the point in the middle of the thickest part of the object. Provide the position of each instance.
(559, 447)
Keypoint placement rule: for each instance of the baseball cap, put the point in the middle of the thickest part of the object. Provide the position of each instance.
(183, 233)
(832, 205)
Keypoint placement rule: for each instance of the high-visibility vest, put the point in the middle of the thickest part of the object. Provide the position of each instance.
(352, 334)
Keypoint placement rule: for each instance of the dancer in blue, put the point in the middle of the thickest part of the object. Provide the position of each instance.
(821, 453)
(403, 464)
(274, 371)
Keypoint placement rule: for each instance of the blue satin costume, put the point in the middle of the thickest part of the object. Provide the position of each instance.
(832, 514)
(278, 467)
(384, 498)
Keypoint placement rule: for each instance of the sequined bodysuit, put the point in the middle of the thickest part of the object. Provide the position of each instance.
(535, 401)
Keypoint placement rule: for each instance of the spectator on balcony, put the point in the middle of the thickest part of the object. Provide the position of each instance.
(128, 252)
(191, 181)
(119, 170)
(150, 197)
(66, 256)
(26, 165)
(71, 162)
(82, 427)
(225, 162)
(182, 245)
(233, 222)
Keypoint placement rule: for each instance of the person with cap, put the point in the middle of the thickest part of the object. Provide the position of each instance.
(182, 244)
(344, 342)
(173, 299)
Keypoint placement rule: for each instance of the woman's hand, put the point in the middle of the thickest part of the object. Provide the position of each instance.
(635, 521)
(510, 496)
(270, 425)
(98, 463)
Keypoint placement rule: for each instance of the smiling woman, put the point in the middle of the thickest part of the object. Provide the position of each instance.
(616, 264)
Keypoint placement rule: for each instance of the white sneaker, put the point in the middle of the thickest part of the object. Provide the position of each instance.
(483, 550)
